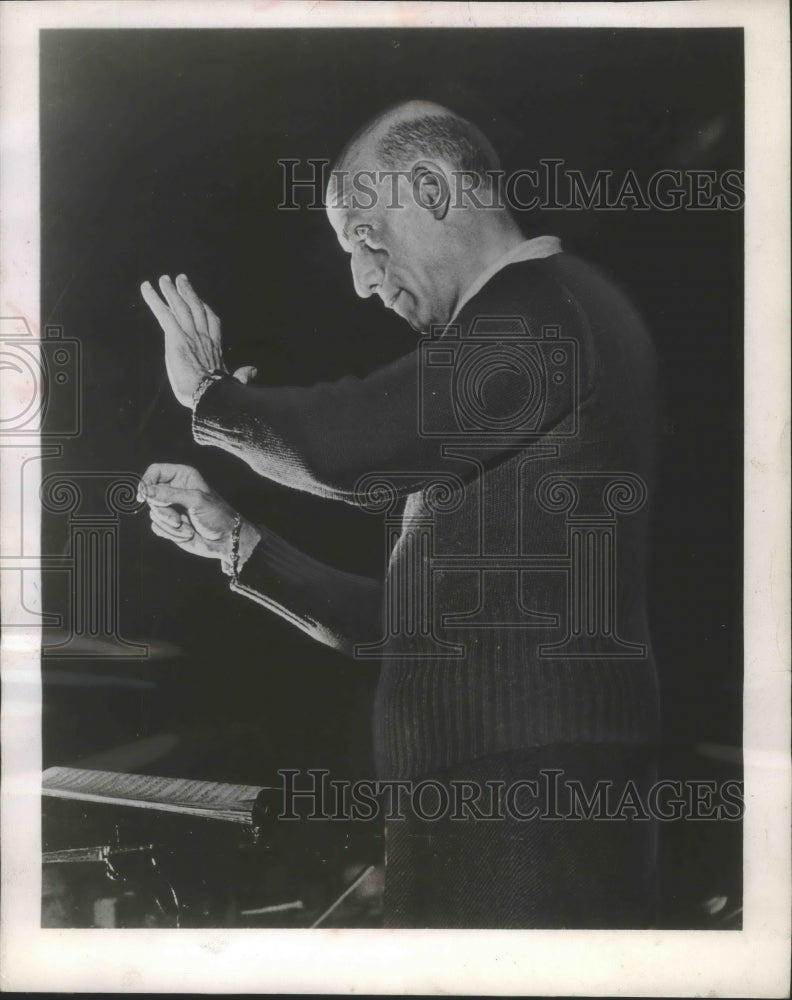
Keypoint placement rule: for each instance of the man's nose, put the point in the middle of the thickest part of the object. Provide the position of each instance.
(367, 270)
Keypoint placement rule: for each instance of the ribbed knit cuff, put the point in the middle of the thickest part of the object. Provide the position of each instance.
(275, 561)
(280, 578)
(216, 413)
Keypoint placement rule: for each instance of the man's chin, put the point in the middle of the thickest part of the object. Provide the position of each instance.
(414, 323)
(407, 309)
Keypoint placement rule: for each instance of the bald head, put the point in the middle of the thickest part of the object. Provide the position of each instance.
(420, 131)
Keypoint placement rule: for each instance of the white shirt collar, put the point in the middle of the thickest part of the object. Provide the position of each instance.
(540, 246)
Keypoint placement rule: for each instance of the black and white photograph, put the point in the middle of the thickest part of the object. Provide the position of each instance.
(394, 521)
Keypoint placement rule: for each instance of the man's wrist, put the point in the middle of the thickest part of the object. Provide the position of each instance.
(229, 560)
(249, 537)
(241, 541)
(204, 383)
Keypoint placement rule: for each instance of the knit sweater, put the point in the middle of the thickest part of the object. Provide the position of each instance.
(513, 611)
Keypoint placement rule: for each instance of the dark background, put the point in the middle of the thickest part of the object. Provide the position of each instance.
(159, 155)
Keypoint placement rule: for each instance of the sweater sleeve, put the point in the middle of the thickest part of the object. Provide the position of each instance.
(323, 438)
(336, 608)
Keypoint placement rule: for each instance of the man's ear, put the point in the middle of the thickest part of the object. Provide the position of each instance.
(431, 189)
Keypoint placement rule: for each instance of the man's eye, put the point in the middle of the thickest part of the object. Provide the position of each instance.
(362, 231)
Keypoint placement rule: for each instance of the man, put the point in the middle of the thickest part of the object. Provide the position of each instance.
(511, 622)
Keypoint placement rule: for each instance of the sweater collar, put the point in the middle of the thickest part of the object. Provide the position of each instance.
(540, 246)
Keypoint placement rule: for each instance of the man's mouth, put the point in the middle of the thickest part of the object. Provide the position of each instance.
(389, 303)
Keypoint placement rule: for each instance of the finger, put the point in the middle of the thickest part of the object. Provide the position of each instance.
(167, 517)
(159, 472)
(162, 313)
(166, 496)
(182, 531)
(246, 374)
(174, 536)
(177, 304)
(167, 474)
(170, 538)
(194, 304)
(213, 323)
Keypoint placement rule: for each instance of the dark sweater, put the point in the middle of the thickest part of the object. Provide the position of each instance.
(458, 691)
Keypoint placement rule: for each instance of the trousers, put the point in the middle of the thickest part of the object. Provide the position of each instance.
(567, 866)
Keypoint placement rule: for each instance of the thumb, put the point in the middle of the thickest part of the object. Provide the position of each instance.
(166, 496)
(246, 374)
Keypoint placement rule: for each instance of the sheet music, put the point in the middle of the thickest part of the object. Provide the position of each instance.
(197, 798)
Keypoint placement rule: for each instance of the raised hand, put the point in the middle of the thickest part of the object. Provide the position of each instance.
(193, 340)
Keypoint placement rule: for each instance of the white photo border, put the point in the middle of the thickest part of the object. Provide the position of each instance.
(750, 962)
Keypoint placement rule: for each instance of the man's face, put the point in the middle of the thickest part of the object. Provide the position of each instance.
(399, 250)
